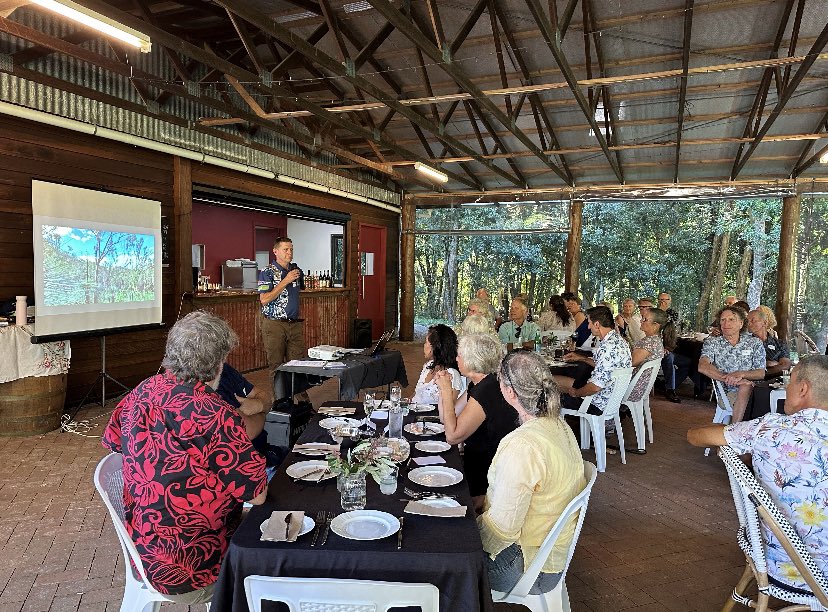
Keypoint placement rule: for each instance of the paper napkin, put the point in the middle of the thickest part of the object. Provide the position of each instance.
(433, 460)
(415, 507)
(275, 529)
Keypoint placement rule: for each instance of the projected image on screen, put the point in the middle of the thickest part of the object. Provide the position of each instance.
(93, 266)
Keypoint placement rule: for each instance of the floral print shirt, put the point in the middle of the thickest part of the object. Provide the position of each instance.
(790, 459)
(747, 354)
(286, 304)
(655, 346)
(188, 466)
(612, 353)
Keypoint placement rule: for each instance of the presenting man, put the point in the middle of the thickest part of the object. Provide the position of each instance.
(282, 333)
(612, 353)
(790, 459)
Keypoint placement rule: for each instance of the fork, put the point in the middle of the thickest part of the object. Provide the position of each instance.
(425, 494)
(320, 523)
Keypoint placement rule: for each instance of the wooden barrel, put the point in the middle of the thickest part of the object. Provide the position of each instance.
(32, 405)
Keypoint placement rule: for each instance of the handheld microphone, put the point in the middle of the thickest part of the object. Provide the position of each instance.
(291, 267)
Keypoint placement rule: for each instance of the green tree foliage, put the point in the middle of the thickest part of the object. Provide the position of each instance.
(812, 269)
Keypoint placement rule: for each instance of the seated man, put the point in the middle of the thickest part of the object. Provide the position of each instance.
(518, 330)
(612, 353)
(188, 462)
(676, 367)
(790, 459)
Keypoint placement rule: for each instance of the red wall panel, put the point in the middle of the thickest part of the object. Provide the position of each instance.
(229, 233)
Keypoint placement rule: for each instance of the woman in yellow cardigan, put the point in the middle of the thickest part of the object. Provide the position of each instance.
(536, 472)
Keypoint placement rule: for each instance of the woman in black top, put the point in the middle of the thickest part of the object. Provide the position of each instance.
(485, 418)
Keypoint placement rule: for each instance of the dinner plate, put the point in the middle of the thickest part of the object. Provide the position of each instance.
(421, 407)
(554, 363)
(307, 525)
(333, 422)
(300, 469)
(425, 429)
(365, 525)
(313, 449)
(435, 476)
(432, 446)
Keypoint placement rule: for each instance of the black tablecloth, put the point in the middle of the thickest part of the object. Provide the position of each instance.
(759, 404)
(361, 372)
(446, 552)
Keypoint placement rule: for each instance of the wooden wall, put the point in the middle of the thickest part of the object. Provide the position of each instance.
(35, 151)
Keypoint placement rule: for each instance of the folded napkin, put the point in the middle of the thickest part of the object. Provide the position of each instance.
(415, 507)
(276, 526)
(336, 410)
(317, 446)
(379, 415)
(433, 460)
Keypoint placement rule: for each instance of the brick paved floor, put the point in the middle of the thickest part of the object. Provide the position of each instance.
(659, 533)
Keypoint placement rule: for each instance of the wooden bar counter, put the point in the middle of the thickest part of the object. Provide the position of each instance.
(325, 312)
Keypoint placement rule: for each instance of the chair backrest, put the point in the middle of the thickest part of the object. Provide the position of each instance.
(620, 379)
(757, 509)
(577, 505)
(721, 396)
(341, 595)
(648, 369)
(109, 481)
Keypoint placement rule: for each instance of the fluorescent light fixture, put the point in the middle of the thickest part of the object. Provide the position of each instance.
(436, 175)
(98, 22)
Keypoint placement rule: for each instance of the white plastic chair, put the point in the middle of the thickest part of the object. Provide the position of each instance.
(776, 396)
(139, 595)
(758, 514)
(557, 599)
(641, 409)
(724, 411)
(339, 595)
(595, 423)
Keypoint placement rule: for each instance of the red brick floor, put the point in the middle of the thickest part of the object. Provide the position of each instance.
(659, 533)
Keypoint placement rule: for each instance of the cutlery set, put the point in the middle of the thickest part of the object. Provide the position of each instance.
(323, 523)
(425, 494)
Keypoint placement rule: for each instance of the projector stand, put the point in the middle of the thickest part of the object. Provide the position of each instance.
(103, 376)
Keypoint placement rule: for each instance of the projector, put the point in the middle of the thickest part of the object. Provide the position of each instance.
(326, 352)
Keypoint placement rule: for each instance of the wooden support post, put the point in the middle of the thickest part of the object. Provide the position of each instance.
(785, 267)
(407, 241)
(181, 232)
(573, 246)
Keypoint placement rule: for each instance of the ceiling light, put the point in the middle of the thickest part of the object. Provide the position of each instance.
(440, 177)
(824, 158)
(98, 22)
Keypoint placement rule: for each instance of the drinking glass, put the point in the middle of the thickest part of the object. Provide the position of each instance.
(388, 483)
(396, 393)
(368, 404)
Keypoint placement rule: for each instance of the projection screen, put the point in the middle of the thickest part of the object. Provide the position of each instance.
(97, 260)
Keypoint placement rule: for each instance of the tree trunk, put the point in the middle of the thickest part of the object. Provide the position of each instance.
(754, 294)
(742, 275)
(533, 277)
(704, 298)
(721, 267)
(450, 281)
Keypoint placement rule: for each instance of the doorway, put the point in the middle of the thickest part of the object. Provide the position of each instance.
(371, 279)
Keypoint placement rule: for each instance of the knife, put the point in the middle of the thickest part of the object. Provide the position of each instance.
(399, 533)
(288, 516)
(327, 529)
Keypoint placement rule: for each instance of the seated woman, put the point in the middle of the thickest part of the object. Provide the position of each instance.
(486, 418)
(188, 462)
(573, 305)
(762, 324)
(658, 331)
(477, 324)
(735, 358)
(557, 317)
(536, 472)
(440, 351)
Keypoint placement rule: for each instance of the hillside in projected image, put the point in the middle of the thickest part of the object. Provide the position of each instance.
(87, 266)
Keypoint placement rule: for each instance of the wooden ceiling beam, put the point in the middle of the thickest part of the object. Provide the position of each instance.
(294, 58)
(783, 83)
(812, 55)
(368, 50)
(471, 20)
(685, 65)
(35, 53)
(565, 18)
(800, 165)
(405, 27)
(436, 23)
(804, 165)
(560, 58)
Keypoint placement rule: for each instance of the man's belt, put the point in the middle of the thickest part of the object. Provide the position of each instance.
(288, 320)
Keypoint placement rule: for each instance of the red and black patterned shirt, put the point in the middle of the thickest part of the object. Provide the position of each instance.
(188, 466)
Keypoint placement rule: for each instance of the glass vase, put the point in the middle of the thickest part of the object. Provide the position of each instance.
(353, 491)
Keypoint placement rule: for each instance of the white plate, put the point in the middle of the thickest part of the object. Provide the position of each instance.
(313, 449)
(435, 476)
(333, 422)
(421, 407)
(300, 469)
(432, 446)
(438, 502)
(307, 525)
(431, 429)
(365, 525)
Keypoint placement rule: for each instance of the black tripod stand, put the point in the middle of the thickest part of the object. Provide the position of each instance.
(103, 376)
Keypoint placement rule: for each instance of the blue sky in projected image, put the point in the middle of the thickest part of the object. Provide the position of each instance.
(82, 244)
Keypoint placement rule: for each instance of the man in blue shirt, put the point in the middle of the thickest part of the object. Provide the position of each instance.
(282, 332)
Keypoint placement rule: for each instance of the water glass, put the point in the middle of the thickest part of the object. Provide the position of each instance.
(396, 393)
(353, 492)
(388, 483)
(395, 421)
(368, 403)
